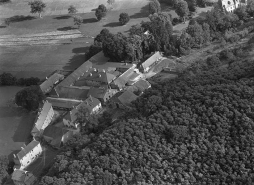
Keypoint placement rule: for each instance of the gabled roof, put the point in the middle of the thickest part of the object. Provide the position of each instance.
(98, 92)
(54, 132)
(27, 149)
(124, 78)
(42, 116)
(127, 97)
(100, 77)
(63, 103)
(151, 60)
(72, 92)
(90, 103)
(75, 75)
(142, 85)
(19, 175)
(48, 84)
(120, 82)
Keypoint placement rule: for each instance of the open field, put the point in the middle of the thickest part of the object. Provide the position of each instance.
(59, 7)
(15, 124)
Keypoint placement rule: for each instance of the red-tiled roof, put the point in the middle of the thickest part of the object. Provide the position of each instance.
(98, 92)
(142, 85)
(100, 77)
(72, 92)
(63, 103)
(54, 132)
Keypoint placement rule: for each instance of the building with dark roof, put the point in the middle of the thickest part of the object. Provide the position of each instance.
(22, 177)
(72, 92)
(91, 105)
(102, 93)
(142, 85)
(46, 114)
(57, 136)
(27, 155)
(49, 83)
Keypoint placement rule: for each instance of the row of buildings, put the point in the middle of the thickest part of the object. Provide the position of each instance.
(97, 83)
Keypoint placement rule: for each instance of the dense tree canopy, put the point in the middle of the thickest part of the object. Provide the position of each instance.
(29, 98)
(182, 9)
(154, 7)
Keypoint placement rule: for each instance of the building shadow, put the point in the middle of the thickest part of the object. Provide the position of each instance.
(63, 17)
(20, 18)
(112, 24)
(144, 12)
(75, 62)
(22, 133)
(90, 20)
(80, 50)
(67, 28)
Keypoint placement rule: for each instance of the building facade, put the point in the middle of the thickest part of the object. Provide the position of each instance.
(27, 155)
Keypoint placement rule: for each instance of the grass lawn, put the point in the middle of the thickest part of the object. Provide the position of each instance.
(15, 124)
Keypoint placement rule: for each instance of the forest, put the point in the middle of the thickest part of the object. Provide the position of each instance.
(195, 129)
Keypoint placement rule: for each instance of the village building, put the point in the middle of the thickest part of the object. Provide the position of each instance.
(231, 5)
(142, 85)
(27, 155)
(102, 93)
(22, 177)
(96, 79)
(91, 105)
(46, 114)
(63, 103)
(134, 78)
(57, 136)
(150, 62)
(72, 92)
(49, 83)
(122, 100)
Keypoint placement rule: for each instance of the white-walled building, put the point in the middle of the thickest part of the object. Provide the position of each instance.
(46, 114)
(27, 155)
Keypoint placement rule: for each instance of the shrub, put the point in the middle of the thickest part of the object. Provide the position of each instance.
(176, 21)
(124, 18)
(233, 38)
(227, 55)
(243, 33)
(213, 61)
(7, 79)
(154, 7)
(77, 20)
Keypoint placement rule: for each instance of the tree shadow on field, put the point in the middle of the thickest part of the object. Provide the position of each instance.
(80, 50)
(144, 12)
(90, 20)
(2, 26)
(22, 133)
(76, 61)
(20, 18)
(63, 17)
(93, 10)
(67, 28)
(112, 24)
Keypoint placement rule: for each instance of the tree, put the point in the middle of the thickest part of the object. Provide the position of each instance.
(101, 12)
(3, 169)
(241, 13)
(77, 20)
(72, 10)
(37, 6)
(124, 18)
(154, 7)
(250, 8)
(196, 32)
(7, 79)
(29, 98)
(192, 4)
(182, 9)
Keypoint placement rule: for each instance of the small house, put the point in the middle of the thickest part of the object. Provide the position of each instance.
(22, 177)
(57, 136)
(91, 104)
(46, 114)
(49, 83)
(102, 93)
(150, 62)
(229, 5)
(27, 155)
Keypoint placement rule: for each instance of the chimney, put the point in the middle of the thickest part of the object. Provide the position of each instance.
(46, 77)
(22, 148)
(94, 69)
(90, 74)
(103, 70)
(14, 155)
(99, 75)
